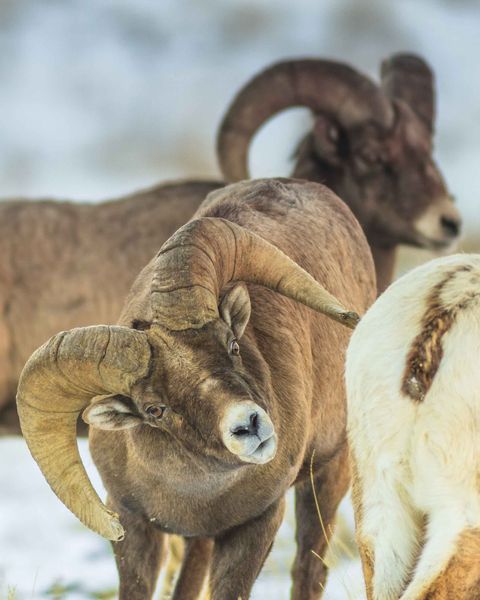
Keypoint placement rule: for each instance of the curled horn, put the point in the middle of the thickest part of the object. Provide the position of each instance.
(322, 86)
(409, 78)
(203, 256)
(57, 382)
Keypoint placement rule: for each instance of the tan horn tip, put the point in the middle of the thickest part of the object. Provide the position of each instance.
(115, 532)
(349, 318)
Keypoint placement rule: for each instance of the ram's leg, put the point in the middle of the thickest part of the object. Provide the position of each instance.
(195, 567)
(461, 577)
(173, 562)
(331, 482)
(364, 545)
(388, 532)
(367, 559)
(138, 557)
(239, 554)
(443, 546)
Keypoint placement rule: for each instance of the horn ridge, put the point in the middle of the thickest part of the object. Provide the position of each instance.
(320, 85)
(57, 382)
(248, 257)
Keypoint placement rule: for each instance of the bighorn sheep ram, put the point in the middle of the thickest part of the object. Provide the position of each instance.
(69, 265)
(371, 145)
(413, 386)
(215, 393)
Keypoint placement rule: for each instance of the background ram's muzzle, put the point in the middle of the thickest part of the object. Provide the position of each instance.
(440, 225)
(248, 432)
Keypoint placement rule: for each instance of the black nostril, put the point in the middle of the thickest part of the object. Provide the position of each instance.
(241, 430)
(250, 429)
(253, 423)
(450, 226)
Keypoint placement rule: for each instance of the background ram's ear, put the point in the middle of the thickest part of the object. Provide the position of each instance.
(326, 139)
(112, 412)
(235, 308)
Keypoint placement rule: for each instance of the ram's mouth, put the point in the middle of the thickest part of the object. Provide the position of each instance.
(263, 453)
(437, 244)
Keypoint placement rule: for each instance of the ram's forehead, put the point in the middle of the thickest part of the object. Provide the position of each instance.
(223, 384)
(189, 345)
(209, 384)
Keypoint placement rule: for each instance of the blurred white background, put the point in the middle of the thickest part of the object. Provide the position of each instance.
(101, 97)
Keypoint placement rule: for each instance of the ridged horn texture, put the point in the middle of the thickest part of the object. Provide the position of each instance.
(57, 382)
(196, 263)
(409, 78)
(321, 85)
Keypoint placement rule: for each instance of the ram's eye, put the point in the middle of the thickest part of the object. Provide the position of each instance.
(155, 411)
(369, 159)
(234, 348)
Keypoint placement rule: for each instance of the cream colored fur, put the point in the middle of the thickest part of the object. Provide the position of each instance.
(416, 464)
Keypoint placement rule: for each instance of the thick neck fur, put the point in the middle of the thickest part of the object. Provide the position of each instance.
(308, 166)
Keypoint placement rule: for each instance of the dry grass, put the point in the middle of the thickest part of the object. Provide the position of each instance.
(337, 548)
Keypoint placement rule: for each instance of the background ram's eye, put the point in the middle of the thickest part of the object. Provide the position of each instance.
(234, 348)
(155, 411)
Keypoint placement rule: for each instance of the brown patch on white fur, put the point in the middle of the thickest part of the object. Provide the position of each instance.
(426, 352)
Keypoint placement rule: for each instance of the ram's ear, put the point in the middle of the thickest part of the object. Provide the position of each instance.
(235, 309)
(327, 139)
(112, 412)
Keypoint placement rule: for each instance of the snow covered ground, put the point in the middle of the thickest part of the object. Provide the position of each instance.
(100, 97)
(46, 552)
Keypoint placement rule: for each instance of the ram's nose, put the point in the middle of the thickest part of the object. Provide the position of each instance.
(440, 224)
(248, 432)
(451, 225)
(249, 426)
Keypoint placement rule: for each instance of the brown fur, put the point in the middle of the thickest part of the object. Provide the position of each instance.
(426, 352)
(177, 476)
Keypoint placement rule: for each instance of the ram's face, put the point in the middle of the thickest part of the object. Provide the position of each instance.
(412, 201)
(391, 181)
(207, 390)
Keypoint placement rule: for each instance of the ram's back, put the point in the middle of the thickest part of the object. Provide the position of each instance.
(312, 226)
